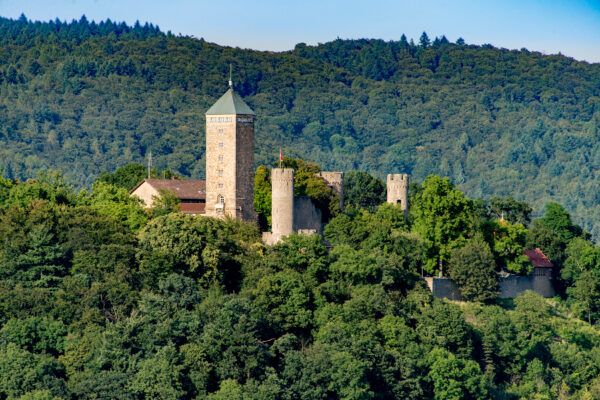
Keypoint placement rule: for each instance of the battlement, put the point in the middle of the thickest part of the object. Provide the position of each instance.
(397, 180)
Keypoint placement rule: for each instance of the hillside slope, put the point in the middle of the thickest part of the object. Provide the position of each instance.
(85, 97)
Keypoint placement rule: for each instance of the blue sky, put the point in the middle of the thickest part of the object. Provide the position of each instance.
(549, 26)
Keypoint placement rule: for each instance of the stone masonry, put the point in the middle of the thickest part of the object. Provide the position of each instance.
(397, 190)
(230, 161)
(290, 214)
(335, 180)
(282, 201)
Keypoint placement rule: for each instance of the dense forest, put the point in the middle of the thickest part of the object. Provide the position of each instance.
(103, 299)
(86, 97)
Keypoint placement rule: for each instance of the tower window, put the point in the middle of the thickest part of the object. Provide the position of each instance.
(220, 199)
(220, 172)
(220, 131)
(220, 186)
(220, 145)
(220, 158)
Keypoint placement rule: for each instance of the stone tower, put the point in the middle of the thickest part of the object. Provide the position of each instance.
(397, 190)
(282, 202)
(230, 158)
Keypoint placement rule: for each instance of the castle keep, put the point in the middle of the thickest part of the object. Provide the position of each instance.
(230, 158)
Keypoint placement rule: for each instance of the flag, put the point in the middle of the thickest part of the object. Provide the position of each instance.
(280, 155)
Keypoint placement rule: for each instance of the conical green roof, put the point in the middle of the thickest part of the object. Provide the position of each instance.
(230, 103)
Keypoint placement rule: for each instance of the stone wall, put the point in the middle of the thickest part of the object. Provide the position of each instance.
(510, 287)
(444, 288)
(307, 217)
(335, 180)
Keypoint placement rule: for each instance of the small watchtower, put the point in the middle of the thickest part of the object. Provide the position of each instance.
(230, 158)
(282, 201)
(397, 190)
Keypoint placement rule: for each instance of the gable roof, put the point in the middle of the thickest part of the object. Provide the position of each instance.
(182, 189)
(538, 259)
(230, 103)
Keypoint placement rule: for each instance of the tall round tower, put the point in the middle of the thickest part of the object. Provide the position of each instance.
(397, 190)
(282, 201)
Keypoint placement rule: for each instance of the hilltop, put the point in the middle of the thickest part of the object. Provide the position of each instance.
(85, 97)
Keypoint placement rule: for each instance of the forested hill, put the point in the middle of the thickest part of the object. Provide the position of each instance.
(86, 97)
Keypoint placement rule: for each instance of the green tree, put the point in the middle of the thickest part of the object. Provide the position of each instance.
(5, 185)
(116, 202)
(442, 217)
(473, 268)
(508, 246)
(201, 248)
(362, 190)
(424, 40)
(510, 209)
(262, 196)
(36, 334)
(581, 256)
(165, 203)
(586, 293)
(33, 255)
(559, 221)
(24, 372)
(455, 379)
(159, 376)
(129, 176)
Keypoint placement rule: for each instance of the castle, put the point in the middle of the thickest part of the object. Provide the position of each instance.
(229, 192)
(230, 175)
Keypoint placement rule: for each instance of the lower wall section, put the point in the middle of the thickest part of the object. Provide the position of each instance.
(510, 287)
(307, 217)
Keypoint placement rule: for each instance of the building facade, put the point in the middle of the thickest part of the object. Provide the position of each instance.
(191, 193)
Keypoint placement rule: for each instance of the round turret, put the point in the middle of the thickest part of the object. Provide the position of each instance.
(397, 190)
(282, 201)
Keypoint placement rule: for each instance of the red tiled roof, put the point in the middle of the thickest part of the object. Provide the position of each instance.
(538, 259)
(192, 208)
(182, 189)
